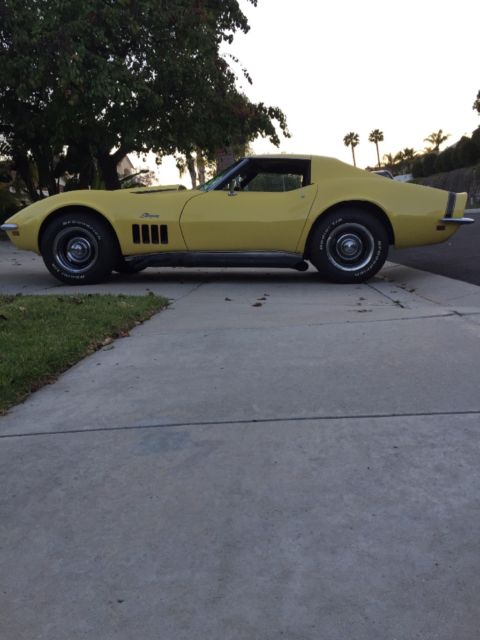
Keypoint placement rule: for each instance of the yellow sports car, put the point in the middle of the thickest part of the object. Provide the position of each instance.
(263, 211)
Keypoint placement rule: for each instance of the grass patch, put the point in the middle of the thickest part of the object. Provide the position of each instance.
(42, 336)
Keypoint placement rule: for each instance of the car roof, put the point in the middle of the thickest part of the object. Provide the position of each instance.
(281, 156)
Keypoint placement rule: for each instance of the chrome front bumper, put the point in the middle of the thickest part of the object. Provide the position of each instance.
(9, 227)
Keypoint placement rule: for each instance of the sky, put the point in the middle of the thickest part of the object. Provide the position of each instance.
(407, 68)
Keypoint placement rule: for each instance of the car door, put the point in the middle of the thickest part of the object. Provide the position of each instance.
(248, 219)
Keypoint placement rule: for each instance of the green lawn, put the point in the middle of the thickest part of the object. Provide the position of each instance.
(41, 336)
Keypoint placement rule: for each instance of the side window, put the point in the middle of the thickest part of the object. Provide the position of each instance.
(268, 175)
(275, 182)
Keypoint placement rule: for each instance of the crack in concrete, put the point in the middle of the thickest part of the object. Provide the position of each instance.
(397, 303)
(330, 323)
(185, 295)
(212, 423)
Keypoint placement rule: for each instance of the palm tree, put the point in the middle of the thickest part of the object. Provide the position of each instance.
(351, 140)
(409, 156)
(409, 153)
(376, 136)
(436, 139)
(388, 160)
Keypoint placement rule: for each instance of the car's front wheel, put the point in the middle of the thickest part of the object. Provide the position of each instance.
(349, 246)
(79, 248)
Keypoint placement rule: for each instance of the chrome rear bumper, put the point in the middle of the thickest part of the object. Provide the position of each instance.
(457, 220)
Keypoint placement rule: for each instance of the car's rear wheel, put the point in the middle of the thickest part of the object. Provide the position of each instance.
(349, 246)
(79, 248)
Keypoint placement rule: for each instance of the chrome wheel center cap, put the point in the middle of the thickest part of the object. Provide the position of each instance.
(349, 246)
(79, 250)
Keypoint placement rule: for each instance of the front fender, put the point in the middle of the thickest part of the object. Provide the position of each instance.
(120, 208)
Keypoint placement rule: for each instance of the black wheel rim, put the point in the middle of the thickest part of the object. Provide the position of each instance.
(75, 250)
(350, 247)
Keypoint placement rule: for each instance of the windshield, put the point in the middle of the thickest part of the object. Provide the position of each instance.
(212, 184)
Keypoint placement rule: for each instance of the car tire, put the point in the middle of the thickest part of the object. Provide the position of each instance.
(79, 248)
(349, 246)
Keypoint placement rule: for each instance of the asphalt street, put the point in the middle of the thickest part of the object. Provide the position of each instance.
(458, 258)
(271, 457)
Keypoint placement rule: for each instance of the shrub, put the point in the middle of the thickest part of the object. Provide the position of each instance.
(476, 141)
(446, 160)
(8, 205)
(428, 164)
(417, 168)
(465, 152)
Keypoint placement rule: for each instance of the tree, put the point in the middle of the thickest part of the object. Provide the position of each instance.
(417, 168)
(389, 161)
(352, 140)
(465, 152)
(408, 156)
(446, 160)
(376, 136)
(108, 78)
(476, 141)
(476, 104)
(428, 163)
(436, 139)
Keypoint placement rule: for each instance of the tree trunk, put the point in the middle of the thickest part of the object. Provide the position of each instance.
(224, 158)
(191, 170)
(201, 168)
(46, 179)
(22, 165)
(378, 155)
(353, 156)
(86, 175)
(108, 170)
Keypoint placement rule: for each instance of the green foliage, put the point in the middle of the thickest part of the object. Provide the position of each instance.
(417, 168)
(445, 161)
(99, 75)
(476, 141)
(436, 139)
(465, 152)
(352, 140)
(8, 205)
(428, 164)
(476, 104)
(376, 136)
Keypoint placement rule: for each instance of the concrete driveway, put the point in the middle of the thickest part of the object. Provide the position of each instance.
(272, 457)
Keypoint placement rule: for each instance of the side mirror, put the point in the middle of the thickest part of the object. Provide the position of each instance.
(233, 186)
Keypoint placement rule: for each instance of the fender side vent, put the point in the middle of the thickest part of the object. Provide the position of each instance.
(150, 234)
(164, 234)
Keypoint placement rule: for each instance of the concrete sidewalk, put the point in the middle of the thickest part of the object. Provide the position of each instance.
(304, 469)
